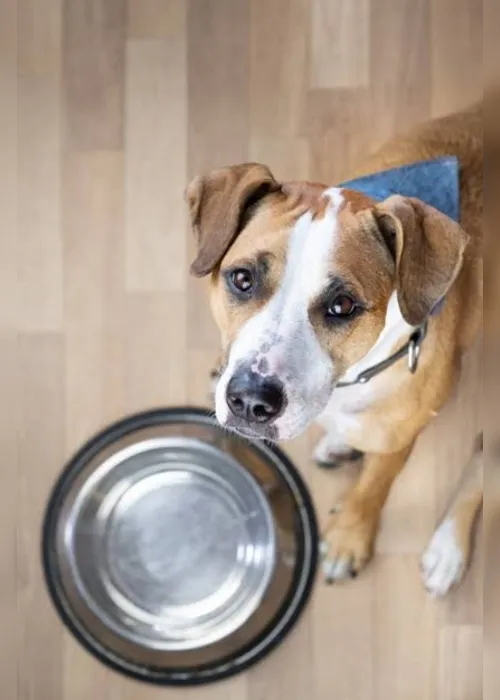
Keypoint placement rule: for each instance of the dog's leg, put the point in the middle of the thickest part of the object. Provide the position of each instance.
(445, 560)
(331, 452)
(350, 535)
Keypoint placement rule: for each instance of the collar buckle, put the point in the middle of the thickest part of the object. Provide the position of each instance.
(414, 347)
(411, 349)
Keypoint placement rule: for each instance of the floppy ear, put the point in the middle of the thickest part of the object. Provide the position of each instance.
(428, 249)
(219, 204)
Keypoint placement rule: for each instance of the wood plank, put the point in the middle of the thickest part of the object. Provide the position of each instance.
(9, 475)
(405, 627)
(94, 290)
(155, 217)
(41, 456)
(456, 53)
(94, 56)
(8, 166)
(155, 19)
(461, 663)
(401, 67)
(279, 37)
(340, 43)
(343, 639)
(39, 37)
(39, 249)
(217, 33)
(155, 352)
(279, 62)
(338, 124)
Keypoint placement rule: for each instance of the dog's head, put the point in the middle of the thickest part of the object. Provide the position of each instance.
(302, 277)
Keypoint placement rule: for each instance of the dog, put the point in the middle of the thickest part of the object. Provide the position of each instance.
(353, 311)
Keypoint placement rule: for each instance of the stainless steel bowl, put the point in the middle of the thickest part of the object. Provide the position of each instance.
(176, 552)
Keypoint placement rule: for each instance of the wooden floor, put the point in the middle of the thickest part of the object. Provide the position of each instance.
(107, 108)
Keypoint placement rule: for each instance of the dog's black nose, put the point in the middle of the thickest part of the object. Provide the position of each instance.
(254, 398)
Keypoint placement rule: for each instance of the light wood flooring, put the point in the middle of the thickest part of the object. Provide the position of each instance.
(107, 108)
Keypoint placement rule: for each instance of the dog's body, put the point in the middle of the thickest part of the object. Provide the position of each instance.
(312, 286)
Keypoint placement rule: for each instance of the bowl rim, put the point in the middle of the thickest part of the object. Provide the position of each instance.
(168, 676)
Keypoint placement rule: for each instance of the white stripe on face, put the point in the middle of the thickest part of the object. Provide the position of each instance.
(280, 340)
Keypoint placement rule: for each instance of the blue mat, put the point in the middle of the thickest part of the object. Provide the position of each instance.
(435, 182)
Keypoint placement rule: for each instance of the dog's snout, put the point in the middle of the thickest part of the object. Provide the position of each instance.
(254, 398)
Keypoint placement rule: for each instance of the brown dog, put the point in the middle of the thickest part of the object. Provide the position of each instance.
(314, 286)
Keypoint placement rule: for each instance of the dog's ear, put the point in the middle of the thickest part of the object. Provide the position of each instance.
(219, 206)
(427, 248)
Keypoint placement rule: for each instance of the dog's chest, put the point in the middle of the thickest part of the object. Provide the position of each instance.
(348, 404)
(347, 409)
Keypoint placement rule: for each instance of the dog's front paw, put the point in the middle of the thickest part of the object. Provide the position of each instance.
(323, 454)
(329, 456)
(348, 541)
(444, 561)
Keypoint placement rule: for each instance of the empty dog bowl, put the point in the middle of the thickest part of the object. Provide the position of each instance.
(176, 552)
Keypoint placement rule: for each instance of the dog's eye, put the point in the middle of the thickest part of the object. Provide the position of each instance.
(242, 280)
(341, 306)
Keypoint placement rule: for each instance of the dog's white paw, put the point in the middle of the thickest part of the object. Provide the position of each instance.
(329, 452)
(443, 562)
(323, 451)
(338, 569)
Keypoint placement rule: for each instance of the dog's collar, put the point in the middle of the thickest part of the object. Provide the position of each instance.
(411, 349)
